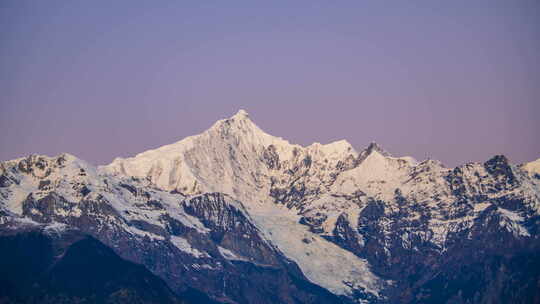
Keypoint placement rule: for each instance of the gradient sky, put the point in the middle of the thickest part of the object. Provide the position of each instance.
(457, 81)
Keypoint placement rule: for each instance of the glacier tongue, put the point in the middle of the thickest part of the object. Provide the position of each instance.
(321, 261)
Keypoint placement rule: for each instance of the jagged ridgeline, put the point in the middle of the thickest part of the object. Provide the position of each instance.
(235, 215)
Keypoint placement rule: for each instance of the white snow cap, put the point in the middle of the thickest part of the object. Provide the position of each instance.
(241, 113)
(532, 167)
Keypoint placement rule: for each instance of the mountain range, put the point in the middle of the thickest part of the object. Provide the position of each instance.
(235, 215)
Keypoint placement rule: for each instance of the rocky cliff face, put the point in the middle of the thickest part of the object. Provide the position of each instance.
(246, 217)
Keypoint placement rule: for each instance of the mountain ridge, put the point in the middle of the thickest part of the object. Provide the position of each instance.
(366, 226)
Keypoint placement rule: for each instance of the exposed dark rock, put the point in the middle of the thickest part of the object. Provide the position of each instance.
(314, 222)
(271, 158)
(5, 181)
(500, 169)
(130, 188)
(44, 185)
(345, 235)
(85, 190)
(74, 268)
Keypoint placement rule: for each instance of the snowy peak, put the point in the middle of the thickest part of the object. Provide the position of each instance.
(41, 176)
(236, 157)
(533, 168)
(240, 120)
(240, 129)
(340, 148)
(241, 114)
(41, 166)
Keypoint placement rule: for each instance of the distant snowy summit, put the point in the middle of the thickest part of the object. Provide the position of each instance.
(236, 151)
(241, 216)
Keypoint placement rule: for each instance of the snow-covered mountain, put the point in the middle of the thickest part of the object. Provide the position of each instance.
(246, 217)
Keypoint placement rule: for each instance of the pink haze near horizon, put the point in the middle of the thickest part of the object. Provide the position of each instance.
(456, 81)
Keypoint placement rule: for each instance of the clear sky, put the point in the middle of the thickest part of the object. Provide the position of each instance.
(456, 81)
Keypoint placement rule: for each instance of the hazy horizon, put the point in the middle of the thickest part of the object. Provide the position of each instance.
(452, 81)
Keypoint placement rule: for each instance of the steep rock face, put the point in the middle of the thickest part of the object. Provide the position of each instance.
(367, 226)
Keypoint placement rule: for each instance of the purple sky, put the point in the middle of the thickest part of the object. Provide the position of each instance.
(456, 81)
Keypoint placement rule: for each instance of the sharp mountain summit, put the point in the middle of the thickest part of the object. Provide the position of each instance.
(235, 215)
